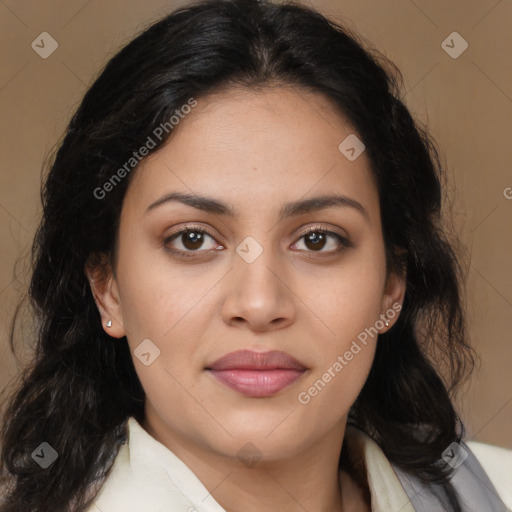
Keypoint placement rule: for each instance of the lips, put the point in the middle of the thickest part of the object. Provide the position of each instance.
(257, 374)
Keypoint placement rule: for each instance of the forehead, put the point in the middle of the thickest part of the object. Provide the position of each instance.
(256, 149)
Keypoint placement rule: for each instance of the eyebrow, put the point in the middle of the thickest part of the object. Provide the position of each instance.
(212, 205)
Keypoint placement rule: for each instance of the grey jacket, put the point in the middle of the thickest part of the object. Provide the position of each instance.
(474, 488)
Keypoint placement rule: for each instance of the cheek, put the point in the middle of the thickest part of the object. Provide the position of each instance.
(337, 380)
(161, 301)
(347, 299)
(167, 306)
(175, 401)
(349, 304)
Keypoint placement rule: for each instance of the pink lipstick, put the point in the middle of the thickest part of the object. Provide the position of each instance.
(257, 374)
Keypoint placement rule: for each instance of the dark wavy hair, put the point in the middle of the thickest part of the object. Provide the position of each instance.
(80, 388)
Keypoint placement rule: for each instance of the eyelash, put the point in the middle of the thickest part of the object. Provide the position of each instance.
(345, 243)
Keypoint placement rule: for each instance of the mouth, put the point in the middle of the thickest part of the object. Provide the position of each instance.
(257, 374)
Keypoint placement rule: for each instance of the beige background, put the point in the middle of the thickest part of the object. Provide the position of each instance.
(467, 103)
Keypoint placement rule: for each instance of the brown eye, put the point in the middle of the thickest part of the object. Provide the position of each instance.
(192, 240)
(189, 241)
(317, 239)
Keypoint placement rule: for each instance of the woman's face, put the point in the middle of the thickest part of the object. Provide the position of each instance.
(254, 280)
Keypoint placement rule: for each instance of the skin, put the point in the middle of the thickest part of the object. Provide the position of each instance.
(255, 151)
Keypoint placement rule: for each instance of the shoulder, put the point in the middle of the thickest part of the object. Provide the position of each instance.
(497, 463)
(119, 487)
(147, 476)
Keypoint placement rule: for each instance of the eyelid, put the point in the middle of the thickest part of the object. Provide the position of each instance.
(190, 228)
(322, 229)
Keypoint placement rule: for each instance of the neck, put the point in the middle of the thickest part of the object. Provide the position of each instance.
(308, 479)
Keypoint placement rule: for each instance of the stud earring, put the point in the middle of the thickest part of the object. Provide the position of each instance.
(387, 323)
(109, 323)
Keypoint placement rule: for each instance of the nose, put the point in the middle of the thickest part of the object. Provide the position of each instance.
(259, 295)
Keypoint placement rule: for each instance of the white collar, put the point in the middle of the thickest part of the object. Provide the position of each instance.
(147, 476)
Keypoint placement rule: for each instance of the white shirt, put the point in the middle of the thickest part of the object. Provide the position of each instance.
(148, 477)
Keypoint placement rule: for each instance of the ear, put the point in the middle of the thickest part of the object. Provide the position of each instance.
(393, 299)
(106, 294)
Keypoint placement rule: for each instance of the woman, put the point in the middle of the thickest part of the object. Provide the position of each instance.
(239, 273)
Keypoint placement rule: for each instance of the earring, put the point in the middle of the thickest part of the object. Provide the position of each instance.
(387, 323)
(109, 323)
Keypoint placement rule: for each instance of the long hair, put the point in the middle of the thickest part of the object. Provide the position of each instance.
(81, 387)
